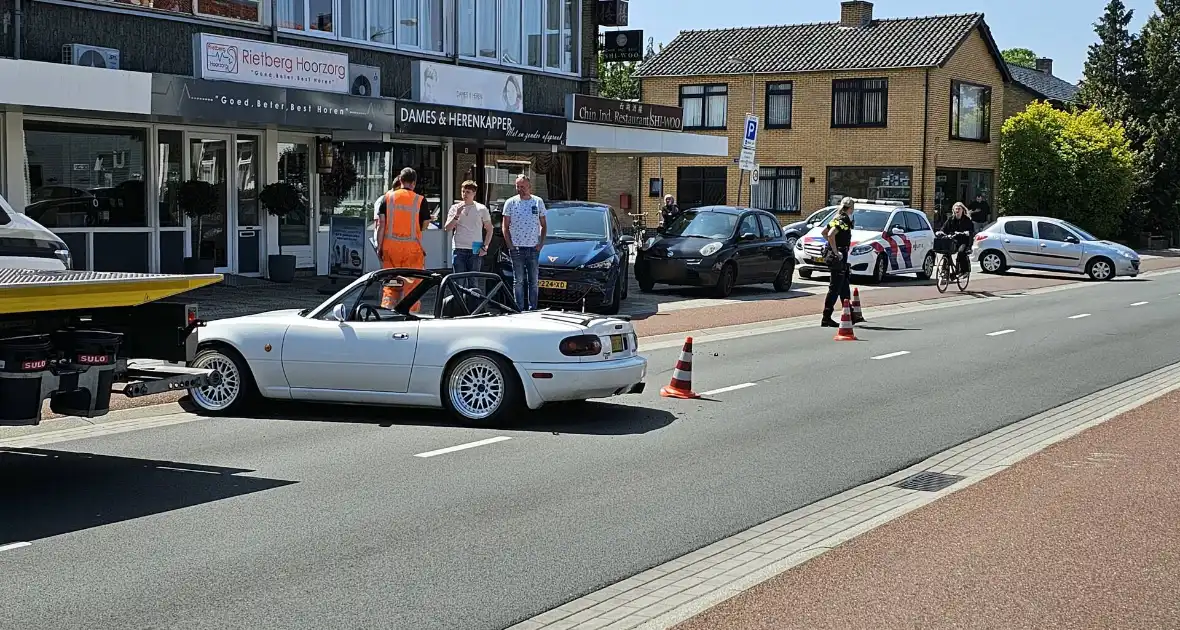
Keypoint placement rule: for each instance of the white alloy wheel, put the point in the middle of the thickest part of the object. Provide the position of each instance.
(1101, 269)
(225, 394)
(476, 387)
(991, 262)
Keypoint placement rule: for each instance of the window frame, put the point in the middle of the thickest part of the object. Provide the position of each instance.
(573, 30)
(781, 173)
(757, 224)
(445, 6)
(702, 175)
(909, 170)
(704, 98)
(859, 92)
(193, 11)
(955, 114)
(775, 88)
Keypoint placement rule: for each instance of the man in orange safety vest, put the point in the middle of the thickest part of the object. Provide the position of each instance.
(401, 217)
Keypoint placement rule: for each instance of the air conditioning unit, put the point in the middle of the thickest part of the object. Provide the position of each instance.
(90, 56)
(365, 80)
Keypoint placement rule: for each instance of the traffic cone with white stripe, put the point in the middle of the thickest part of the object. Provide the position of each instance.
(845, 333)
(857, 315)
(681, 385)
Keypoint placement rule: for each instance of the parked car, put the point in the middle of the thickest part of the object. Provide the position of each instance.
(793, 231)
(1050, 244)
(887, 239)
(719, 247)
(26, 244)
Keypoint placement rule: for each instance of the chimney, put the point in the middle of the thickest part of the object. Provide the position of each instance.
(1045, 65)
(856, 13)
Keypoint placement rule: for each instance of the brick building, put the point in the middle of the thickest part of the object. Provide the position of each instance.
(1036, 84)
(904, 109)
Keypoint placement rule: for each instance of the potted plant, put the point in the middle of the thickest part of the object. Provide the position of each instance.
(281, 199)
(197, 199)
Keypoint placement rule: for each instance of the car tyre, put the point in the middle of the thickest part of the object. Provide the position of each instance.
(726, 281)
(616, 302)
(791, 240)
(805, 274)
(237, 388)
(481, 389)
(927, 267)
(625, 278)
(1100, 269)
(992, 261)
(646, 284)
(880, 270)
(783, 281)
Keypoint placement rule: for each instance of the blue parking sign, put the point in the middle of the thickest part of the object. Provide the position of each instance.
(751, 136)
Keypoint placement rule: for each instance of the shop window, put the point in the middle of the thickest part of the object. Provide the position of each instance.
(550, 173)
(971, 111)
(779, 189)
(295, 169)
(426, 160)
(415, 24)
(242, 10)
(83, 176)
(530, 33)
(860, 102)
(372, 181)
(779, 97)
(890, 184)
(698, 186)
(704, 105)
(170, 151)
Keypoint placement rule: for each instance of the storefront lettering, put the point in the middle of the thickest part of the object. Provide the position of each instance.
(418, 119)
(625, 113)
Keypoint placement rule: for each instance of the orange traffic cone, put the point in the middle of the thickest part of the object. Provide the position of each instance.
(681, 385)
(845, 333)
(857, 315)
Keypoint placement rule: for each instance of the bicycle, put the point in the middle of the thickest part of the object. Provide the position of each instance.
(947, 248)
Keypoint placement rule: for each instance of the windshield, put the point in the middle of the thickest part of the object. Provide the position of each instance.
(822, 216)
(1086, 236)
(576, 224)
(870, 220)
(703, 225)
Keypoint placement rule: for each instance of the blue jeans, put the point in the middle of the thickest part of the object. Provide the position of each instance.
(466, 260)
(524, 277)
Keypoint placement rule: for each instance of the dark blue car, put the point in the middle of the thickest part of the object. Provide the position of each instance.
(584, 263)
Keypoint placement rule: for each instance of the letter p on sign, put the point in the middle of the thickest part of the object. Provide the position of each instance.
(751, 137)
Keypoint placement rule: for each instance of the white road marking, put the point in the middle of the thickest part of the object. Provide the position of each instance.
(1140, 303)
(15, 545)
(463, 447)
(1080, 316)
(1000, 332)
(892, 354)
(727, 389)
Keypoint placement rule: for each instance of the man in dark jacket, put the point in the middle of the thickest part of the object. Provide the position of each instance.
(981, 212)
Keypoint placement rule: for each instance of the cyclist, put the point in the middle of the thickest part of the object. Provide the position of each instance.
(960, 227)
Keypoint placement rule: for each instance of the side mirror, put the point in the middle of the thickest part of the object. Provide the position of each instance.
(340, 312)
(897, 229)
(1072, 239)
(749, 236)
(627, 239)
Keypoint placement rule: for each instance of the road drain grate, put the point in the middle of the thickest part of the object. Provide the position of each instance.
(928, 481)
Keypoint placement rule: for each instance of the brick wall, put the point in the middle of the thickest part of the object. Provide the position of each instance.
(615, 175)
(1016, 100)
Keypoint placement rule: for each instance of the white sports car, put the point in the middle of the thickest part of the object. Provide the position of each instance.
(470, 352)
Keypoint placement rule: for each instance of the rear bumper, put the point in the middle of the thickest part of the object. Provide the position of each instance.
(554, 382)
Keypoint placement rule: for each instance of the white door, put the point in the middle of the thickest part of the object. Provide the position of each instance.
(210, 158)
(248, 216)
(345, 358)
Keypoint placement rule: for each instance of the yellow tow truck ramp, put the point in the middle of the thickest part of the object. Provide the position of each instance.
(31, 291)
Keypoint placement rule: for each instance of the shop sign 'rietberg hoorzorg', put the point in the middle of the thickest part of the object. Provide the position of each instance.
(480, 124)
(220, 58)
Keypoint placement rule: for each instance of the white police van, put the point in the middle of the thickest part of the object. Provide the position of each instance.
(888, 239)
(26, 244)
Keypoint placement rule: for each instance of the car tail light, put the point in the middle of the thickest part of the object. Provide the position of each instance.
(191, 315)
(980, 237)
(581, 346)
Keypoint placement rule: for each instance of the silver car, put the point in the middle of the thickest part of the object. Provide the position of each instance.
(1049, 244)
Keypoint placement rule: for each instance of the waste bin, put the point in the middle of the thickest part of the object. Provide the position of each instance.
(88, 373)
(25, 380)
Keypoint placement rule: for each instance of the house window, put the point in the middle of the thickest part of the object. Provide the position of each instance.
(779, 97)
(971, 111)
(415, 24)
(242, 10)
(860, 102)
(779, 189)
(704, 105)
(698, 186)
(529, 33)
(869, 182)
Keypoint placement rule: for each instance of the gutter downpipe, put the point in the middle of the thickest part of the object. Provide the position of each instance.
(925, 141)
(274, 20)
(17, 27)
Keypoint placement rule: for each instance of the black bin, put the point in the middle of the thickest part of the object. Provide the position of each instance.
(24, 366)
(85, 383)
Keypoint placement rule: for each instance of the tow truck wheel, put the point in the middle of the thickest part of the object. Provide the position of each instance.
(237, 383)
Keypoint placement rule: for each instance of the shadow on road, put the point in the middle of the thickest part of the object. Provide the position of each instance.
(886, 328)
(48, 492)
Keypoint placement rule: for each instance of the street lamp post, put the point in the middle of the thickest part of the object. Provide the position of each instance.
(738, 61)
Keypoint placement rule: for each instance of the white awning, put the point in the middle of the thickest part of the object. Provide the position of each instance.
(60, 86)
(644, 142)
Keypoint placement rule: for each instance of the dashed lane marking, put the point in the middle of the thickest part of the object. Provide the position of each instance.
(15, 545)
(463, 447)
(1140, 303)
(1079, 316)
(1000, 332)
(892, 354)
(731, 388)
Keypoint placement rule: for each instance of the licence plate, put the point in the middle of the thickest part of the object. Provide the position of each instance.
(617, 343)
(551, 284)
(818, 261)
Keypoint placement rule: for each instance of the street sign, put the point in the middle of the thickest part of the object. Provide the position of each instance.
(754, 175)
(751, 137)
(746, 161)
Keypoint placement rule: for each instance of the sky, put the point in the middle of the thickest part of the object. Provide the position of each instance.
(1061, 30)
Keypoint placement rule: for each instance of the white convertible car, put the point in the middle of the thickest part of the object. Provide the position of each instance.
(467, 351)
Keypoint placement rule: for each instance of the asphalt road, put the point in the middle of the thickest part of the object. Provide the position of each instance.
(323, 517)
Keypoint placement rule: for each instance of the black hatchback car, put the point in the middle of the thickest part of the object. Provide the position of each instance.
(719, 247)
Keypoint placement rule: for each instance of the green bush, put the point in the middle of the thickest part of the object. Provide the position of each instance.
(1072, 166)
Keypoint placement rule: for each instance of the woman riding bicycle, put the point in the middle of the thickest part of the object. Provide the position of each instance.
(960, 227)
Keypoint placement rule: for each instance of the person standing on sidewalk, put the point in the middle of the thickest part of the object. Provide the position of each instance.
(470, 224)
(981, 212)
(401, 216)
(524, 235)
(669, 212)
(838, 234)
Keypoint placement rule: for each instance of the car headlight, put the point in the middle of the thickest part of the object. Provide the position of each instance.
(1130, 255)
(860, 250)
(602, 264)
(646, 244)
(65, 257)
(710, 249)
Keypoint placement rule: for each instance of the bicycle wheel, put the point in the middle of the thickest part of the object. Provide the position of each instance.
(964, 278)
(944, 275)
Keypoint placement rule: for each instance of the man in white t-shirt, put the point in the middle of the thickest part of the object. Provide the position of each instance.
(470, 223)
(524, 235)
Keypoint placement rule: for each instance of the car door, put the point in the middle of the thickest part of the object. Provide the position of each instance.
(921, 236)
(1059, 247)
(900, 242)
(751, 249)
(1020, 244)
(776, 248)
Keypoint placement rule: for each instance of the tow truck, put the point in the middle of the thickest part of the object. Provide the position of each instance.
(75, 337)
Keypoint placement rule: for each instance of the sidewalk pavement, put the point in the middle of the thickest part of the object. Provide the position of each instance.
(1085, 534)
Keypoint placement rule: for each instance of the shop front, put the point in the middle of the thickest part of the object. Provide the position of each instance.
(960, 185)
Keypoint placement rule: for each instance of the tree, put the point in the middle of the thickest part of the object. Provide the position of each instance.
(1075, 166)
(1111, 72)
(1161, 112)
(1020, 56)
(620, 80)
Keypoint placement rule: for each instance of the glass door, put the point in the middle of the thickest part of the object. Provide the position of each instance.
(249, 217)
(295, 164)
(209, 162)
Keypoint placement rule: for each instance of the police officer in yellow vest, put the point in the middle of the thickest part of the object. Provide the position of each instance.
(401, 218)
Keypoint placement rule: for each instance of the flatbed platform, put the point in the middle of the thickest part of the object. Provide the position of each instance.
(31, 291)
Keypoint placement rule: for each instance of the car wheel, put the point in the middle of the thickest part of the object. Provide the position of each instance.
(791, 240)
(805, 274)
(236, 388)
(625, 278)
(481, 389)
(880, 270)
(646, 284)
(782, 282)
(1100, 269)
(726, 281)
(992, 261)
(927, 267)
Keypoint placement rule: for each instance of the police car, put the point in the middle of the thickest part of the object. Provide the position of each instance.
(888, 239)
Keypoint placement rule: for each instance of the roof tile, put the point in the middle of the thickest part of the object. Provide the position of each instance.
(1043, 83)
